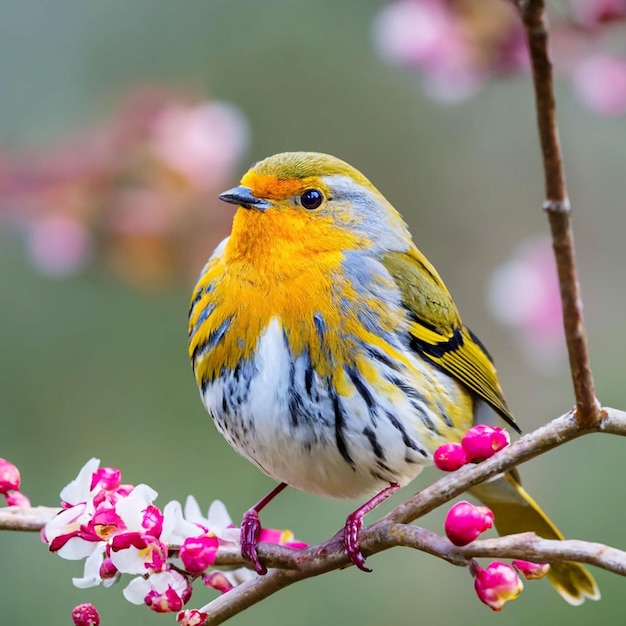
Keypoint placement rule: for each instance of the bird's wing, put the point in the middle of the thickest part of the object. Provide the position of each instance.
(437, 332)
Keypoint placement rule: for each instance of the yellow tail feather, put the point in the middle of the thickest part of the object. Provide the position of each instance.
(515, 512)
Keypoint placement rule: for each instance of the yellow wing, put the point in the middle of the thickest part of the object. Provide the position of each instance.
(437, 332)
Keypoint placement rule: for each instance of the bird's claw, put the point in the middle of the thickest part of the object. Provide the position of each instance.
(353, 525)
(250, 534)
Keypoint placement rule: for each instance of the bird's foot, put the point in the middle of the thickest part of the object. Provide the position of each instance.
(354, 523)
(351, 544)
(250, 534)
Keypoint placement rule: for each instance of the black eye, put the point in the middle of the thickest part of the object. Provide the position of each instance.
(311, 199)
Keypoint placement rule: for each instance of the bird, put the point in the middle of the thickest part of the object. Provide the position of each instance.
(329, 352)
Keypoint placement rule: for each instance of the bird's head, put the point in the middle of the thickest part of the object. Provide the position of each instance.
(306, 202)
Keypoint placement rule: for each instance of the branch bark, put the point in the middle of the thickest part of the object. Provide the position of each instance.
(393, 530)
(557, 206)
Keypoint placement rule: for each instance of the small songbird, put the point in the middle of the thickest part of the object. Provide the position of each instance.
(329, 352)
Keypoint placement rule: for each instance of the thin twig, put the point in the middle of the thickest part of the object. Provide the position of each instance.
(558, 209)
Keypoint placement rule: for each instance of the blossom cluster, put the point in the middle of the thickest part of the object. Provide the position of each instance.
(135, 194)
(499, 582)
(117, 529)
(457, 46)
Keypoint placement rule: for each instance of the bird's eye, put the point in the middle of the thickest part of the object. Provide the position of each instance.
(311, 199)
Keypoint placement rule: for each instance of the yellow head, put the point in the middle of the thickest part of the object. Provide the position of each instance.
(303, 203)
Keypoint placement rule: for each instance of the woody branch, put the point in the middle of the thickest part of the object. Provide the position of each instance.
(393, 530)
(557, 206)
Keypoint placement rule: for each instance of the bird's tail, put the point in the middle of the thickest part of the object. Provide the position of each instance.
(515, 512)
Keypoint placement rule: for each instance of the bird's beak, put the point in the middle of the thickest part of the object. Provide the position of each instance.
(242, 196)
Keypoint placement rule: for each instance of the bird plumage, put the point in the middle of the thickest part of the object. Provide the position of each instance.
(326, 347)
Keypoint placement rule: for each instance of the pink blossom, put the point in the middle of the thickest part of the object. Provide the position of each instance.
(282, 537)
(449, 457)
(163, 592)
(427, 35)
(524, 294)
(137, 553)
(59, 245)
(594, 13)
(78, 491)
(9, 477)
(466, 521)
(198, 553)
(202, 142)
(497, 584)
(530, 570)
(600, 82)
(107, 569)
(483, 441)
(191, 617)
(85, 615)
(107, 478)
(218, 521)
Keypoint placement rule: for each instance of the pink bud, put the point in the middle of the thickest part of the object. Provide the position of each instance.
(85, 615)
(9, 477)
(16, 498)
(497, 584)
(198, 553)
(466, 521)
(167, 601)
(107, 478)
(483, 441)
(218, 581)
(107, 569)
(449, 457)
(530, 570)
(191, 617)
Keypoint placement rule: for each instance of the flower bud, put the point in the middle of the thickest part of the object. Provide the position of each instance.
(530, 570)
(466, 521)
(107, 569)
(16, 498)
(449, 457)
(217, 580)
(9, 477)
(198, 553)
(191, 617)
(85, 615)
(497, 584)
(483, 441)
(107, 478)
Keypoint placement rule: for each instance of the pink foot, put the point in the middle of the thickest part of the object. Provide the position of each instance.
(250, 533)
(251, 530)
(354, 522)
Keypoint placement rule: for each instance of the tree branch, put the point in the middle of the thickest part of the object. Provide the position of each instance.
(558, 209)
(289, 566)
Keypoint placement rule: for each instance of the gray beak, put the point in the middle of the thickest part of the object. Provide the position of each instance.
(242, 196)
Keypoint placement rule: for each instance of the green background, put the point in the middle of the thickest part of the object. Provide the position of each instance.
(91, 367)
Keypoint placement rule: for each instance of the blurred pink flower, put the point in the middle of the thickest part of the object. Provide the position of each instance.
(59, 245)
(137, 193)
(202, 142)
(459, 45)
(600, 82)
(591, 13)
(524, 294)
(456, 46)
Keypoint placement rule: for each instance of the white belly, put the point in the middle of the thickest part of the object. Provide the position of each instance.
(282, 416)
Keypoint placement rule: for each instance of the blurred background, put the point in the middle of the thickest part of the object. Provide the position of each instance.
(120, 122)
